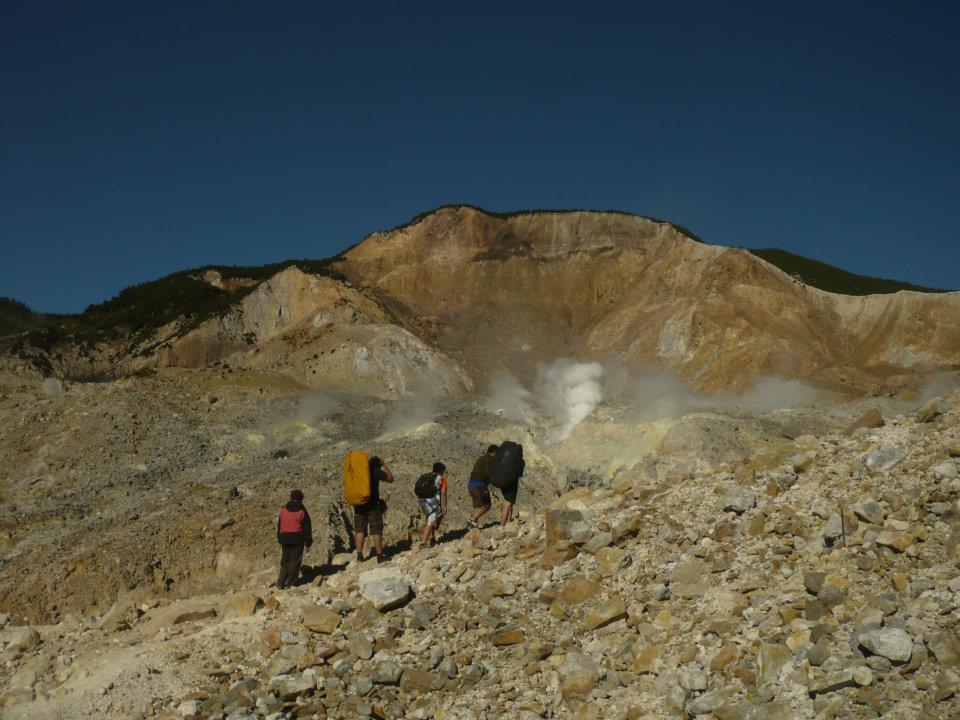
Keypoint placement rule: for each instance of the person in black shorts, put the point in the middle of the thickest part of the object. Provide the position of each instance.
(479, 485)
(510, 496)
(368, 518)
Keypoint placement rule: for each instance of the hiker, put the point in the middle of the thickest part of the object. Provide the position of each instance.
(506, 469)
(295, 534)
(368, 518)
(431, 489)
(479, 485)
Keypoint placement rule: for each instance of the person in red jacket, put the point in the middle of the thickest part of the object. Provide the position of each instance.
(295, 534)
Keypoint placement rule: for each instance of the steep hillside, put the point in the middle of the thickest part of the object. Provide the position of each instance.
(443, 302)
(510, 292)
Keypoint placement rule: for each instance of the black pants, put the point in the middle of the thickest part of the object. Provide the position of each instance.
(290, 560)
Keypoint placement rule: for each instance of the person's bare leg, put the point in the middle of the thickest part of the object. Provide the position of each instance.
(479, 512)
(359, 538)
(377, 543)
(425, 535)
(507, 513)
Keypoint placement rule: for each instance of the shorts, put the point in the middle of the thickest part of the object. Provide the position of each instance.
(431, 510)
(480, 494)
(510, 493)
(368, 519)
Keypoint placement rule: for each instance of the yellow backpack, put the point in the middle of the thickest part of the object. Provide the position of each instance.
(356, 477)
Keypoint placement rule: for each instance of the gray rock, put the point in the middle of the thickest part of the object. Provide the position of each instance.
(817, 655)
(295, 685)
(580, 532)
(342, 668)
(386, 588)
(833, 529)
(281, 666)
(578, 675)
(739, 500)
(387, 672)
(473, 673)
(882, 460)
(364, 685)
(780, 710)
(449, 667)
(831, 596)
(945, 471)
(879, 663)
(869, 511)
(361, 646)
(422, 615)
(598, 541)
(831, 683)
(771, 660)
(706, 703)
(692, 679)
(862, 676)
(787, 481)
(945, 646)
(813, 581)
(892, 643)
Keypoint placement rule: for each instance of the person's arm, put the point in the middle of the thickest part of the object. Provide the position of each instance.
(307, 529)
(443, 499)
(388, 474)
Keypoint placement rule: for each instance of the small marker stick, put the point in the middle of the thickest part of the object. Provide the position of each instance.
(843, 524)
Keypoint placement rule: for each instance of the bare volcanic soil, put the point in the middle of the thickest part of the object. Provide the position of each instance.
(817, 576)
(173, 483)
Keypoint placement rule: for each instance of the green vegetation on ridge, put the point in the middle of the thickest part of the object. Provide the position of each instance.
(139, 310)
(16, 317)
(832, 279)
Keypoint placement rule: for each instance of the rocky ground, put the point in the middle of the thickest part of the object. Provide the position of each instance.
(814, 577)
(170, 483)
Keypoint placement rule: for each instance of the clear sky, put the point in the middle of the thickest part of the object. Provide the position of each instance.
(137, 139)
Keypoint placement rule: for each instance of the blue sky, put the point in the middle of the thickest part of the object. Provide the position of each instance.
(138, 139)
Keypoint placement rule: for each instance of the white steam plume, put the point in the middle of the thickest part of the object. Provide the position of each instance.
(660, 395)
(568, 391)
(315, 406)
(940, 384)
(410, 414)
(509, 398)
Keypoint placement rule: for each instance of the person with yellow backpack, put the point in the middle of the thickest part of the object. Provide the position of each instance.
(362, 476)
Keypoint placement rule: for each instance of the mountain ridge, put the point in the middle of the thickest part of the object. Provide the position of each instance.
(445, 287)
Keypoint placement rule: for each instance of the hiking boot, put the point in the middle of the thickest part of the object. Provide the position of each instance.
(359, 557)
(381, 559)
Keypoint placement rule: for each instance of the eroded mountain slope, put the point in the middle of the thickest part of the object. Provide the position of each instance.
(599, 285)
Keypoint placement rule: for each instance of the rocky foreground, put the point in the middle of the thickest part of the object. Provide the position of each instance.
(818, 582)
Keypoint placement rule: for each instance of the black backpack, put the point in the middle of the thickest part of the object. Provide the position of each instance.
(507, 465)
(426, 486)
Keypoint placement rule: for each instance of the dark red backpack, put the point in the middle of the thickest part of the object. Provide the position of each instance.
(291, 522)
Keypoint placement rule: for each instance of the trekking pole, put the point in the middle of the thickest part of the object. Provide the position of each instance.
(843, 524)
